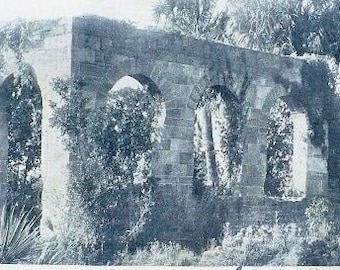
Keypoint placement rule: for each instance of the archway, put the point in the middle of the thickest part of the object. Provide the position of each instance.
(216, 148)
(140, 82)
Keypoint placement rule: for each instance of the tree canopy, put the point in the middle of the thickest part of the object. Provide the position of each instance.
(281, 27)
(197, 18)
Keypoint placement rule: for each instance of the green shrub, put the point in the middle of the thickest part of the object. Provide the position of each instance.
(160, 254)
(256, 245)
(18, 236)
(322, 243)
(315, 253)
(110, 192)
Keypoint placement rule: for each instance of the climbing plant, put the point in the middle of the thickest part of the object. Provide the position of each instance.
(218, 146)
(316, 95)
(279, 151)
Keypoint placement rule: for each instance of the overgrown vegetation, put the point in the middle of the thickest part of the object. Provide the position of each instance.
(322, 109)
(110, 191)
(21, 96)
(279, 151)
(218, 138)
(24, 133)
(309, 243)
(197, 18)
(111, 188)
(161, 254)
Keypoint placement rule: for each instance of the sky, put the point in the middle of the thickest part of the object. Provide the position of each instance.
(138, 11)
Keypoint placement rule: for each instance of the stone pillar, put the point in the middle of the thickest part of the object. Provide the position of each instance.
(254, 162)
(173, 164)
(52, 59)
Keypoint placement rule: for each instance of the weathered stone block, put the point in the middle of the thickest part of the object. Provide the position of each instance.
(90, 69)
(168, 169)
(174, 113)
(84, 54)
(178, 122)
(181, 145)
(190, 170)
(187, 181)
(179, 132)
(179, 170)
(168, 156)
(186, 157)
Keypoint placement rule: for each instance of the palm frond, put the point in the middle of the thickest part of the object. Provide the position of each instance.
(18, 235)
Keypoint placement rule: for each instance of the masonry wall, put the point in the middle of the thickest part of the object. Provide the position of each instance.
(100, 52)
(103, 51)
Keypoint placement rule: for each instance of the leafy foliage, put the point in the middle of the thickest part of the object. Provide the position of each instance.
(21, 94)
(110, 193)
(24, 133)
(279, 151)
(53, 252)
(320, 218)
(316, 95)
(286, 27)
(218, 134)
(256, 246)
(322, 244)
(196, 18)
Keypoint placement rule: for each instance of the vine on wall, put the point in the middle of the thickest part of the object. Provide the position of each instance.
(279, 151)
(316, 94)
(217, 140)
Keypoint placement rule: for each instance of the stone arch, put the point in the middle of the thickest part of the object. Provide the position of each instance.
(137, 81)
(215, 121)
(143, 82)
(13, 131)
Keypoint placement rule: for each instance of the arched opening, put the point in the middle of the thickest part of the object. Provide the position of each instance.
(140, 82)
(22, 111)
(287, 147)
(217, 152)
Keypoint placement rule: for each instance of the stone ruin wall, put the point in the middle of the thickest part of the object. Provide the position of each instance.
(101, 51)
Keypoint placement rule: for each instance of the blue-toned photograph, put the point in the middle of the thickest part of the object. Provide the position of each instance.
(200, 133)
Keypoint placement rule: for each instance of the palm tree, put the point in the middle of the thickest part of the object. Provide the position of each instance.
(197, 18)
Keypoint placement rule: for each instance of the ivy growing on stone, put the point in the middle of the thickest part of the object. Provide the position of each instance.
(316, 95)
(218, 141)
(279, 151)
